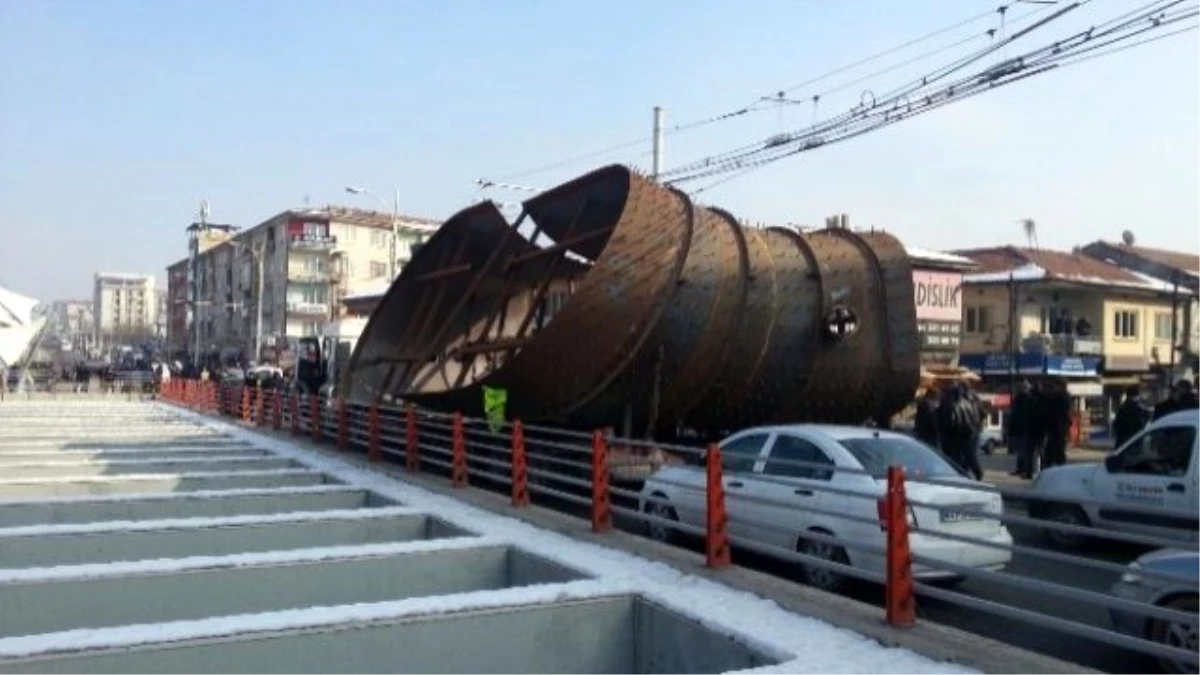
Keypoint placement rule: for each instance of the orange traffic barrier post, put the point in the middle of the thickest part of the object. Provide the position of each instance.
(412, 448)
(716, 539)
(314, 417)
(601, 504)
(258, 407)
(901, 601)
(374, 453)
(520, 468)
(277, 415)
(294, 407)
(343, 432)
(245, 409)
(458, 454)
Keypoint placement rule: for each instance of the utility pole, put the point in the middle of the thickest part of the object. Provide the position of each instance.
(658, 141)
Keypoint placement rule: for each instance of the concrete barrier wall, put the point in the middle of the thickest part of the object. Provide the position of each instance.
(109, 546)
(66, 487)
(608, 635)
(183, 505)
(43, 607)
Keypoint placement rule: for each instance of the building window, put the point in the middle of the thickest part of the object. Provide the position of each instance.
(979, 319)
(1162, 326)
(379, 238)
(1125, 324)
(314, 264)
(1057, 321)
(378, 269)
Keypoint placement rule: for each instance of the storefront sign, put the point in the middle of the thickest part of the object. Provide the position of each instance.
(1072, 366)
(938, 295)
(999, 364)
(939, 336)
(1085, 389)
(1032, 364)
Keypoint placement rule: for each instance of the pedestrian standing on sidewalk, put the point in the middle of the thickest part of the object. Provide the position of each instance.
(925, 425)
(1131, 417)
(958, 426)
(1057, 408)
(1022, 430)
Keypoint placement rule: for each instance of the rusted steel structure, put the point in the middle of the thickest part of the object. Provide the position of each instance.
(631, 306)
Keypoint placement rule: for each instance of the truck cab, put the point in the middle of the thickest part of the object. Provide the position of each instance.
(322, 358)
(1147, 486)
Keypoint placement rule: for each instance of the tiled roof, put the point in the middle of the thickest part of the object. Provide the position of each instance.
(1187, 262)
(347, 214)
(1052, 265)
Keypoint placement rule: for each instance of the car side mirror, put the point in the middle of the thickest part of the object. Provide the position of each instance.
(1112, 463)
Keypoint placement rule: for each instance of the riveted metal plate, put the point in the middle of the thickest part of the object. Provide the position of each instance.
(675, 311)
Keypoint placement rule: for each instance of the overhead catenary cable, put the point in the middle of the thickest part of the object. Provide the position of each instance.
(1061, 53)
(756, 106)
(895, 94)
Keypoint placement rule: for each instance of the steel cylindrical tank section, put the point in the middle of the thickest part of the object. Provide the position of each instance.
(645, 310)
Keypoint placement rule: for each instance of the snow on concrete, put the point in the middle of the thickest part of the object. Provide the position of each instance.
(269, 558)
(91, 461)
(205, 522)
(157, 476)
(180, 496)
(803, 643)
(313, 617)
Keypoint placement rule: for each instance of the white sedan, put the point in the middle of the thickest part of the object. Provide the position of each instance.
(769, 494)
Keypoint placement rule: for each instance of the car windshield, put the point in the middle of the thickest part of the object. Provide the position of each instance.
(876, 454)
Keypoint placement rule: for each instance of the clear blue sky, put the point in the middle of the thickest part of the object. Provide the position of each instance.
(117, 117)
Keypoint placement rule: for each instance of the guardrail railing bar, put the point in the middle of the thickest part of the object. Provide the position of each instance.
(1057, 623)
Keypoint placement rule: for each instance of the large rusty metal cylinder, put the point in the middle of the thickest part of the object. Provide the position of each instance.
(625, 304)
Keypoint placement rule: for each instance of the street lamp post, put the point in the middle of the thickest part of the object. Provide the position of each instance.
(395, 208)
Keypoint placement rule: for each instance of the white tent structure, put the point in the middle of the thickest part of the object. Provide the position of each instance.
(19, 329)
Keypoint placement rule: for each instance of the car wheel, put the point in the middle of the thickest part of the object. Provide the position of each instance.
(821, 577)
(656, 529)
(1065, 514)
(989, 446)
(1179, 635)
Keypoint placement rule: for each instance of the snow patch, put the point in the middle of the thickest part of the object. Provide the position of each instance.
(269, 558)
(156, 476)
(117, 463)
(1028, 272)
(195, 523)
(183, 496)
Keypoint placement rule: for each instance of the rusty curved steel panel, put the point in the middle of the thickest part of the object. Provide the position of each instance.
(675, 315)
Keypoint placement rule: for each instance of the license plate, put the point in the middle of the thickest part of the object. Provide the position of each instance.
(962, 513)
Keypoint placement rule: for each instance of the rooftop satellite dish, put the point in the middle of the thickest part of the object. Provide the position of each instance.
(1127, 237)
(204, 211)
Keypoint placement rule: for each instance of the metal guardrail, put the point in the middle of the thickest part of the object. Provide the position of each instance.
(573, 472)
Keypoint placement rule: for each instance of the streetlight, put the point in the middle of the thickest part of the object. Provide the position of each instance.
(395, 207)
(257, 254)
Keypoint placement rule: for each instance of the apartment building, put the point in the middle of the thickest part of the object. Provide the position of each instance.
(73, 322)
(1031, 313)
(1181, 271)
(124, 308)
(309, 260)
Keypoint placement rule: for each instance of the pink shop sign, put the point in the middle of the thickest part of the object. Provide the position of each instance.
(938, 295)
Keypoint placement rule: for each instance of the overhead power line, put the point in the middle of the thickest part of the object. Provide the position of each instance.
(1061, 53)
(757, 105)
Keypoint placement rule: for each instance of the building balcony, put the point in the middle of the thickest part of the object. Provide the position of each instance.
(312, 242)
(309, 276)
(308, 309)
(1066, 344)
